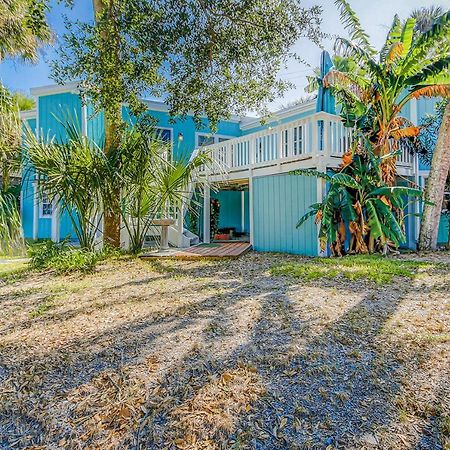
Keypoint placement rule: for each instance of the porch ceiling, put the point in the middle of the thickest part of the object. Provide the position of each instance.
(233, 185)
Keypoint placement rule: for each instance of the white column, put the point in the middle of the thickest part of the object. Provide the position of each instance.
(243, 210)
(56, 219)
(84, 121)
(321, 189)
(326, 137)
(206, 214)
(35, 211)
(315, 137)
(250, 197)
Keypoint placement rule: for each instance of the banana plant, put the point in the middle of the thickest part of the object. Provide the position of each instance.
(360, 203)
(411, 64)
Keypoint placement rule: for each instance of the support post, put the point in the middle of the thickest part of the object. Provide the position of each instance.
(35, 210)
(242, 211)
(206, 214)
(321, 189)
(250, 197)
(56, 219)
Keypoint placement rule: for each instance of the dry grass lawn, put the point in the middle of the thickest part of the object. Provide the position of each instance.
(243, 354)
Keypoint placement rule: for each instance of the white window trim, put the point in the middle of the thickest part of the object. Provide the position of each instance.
(215, 137)
(172, 135)
(41, 209)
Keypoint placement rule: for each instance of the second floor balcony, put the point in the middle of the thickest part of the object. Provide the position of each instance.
(317, 141)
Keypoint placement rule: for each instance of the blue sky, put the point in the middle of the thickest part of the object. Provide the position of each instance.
(375, 15)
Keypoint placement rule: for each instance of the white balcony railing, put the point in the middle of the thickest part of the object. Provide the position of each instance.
(320, 134)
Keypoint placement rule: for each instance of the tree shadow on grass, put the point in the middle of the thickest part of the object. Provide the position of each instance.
(330, 389)
(327, 383)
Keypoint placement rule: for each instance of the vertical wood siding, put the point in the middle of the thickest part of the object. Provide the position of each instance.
(278, 203)
(51, 108)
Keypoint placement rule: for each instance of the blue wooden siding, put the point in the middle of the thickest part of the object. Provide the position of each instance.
(58, 106)
(230, 215)
(27, 197)
(61, 106)
(186, 128)
(443, 230)
(278, 202)
(54, 107)
(95, 125)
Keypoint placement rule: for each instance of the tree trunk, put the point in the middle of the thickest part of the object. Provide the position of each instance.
(111, 226)
(434, 192)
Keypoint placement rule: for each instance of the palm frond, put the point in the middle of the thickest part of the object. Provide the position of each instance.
(352, 24)
(374, 222)
(336, 79)
(349, 49)
(437, 90)
(407, 35)
(405, 132)
(312, 212)
(395, 51)
(430, 46)
(343, 179)
(397, 190)
(393, 36)
(432, 70)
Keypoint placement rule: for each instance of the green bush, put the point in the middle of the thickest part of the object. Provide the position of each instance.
(64, 258)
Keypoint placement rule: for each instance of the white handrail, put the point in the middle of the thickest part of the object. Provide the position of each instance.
(319, 134)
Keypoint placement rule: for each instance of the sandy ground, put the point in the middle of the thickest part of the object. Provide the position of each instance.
(224, 355)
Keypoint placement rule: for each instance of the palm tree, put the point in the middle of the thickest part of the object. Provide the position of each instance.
(410, 65)
(82, 179)
(10, 161)
(23, 28)
(425, 17)
(74, 174)
(105, 13)
(151, 184)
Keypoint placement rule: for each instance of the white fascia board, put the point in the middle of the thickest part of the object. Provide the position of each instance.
(30, 114)
(281, 114)
(55, 89)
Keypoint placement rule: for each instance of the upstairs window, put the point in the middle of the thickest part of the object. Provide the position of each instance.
(209, 139)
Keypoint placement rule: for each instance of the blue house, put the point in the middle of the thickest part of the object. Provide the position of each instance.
(258, 198)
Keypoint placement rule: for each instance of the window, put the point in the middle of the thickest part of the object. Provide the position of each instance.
(204, 139)
(208, 139)
(46, 206)
(165, 134)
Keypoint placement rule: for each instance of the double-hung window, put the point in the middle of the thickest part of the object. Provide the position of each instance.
(45, 206)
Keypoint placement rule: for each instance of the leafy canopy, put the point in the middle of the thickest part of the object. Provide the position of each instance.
(213, 58)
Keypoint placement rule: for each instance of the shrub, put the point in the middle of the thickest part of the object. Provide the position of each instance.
(64, 258)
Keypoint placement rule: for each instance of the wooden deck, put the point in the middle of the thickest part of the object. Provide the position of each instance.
(214, 250)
